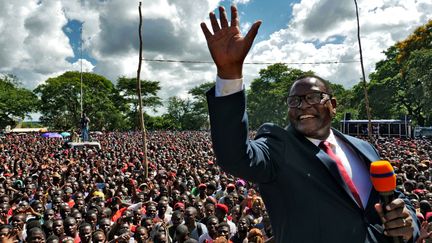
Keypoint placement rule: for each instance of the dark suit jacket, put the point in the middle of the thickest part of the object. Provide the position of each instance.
(304, 194)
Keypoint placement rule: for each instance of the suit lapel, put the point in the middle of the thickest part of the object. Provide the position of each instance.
(331, 166)
(326, 161)
(334, 171)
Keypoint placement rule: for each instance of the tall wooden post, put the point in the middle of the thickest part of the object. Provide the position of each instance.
(141, 114)
(364, 78)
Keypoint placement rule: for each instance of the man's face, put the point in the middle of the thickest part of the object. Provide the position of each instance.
(189, 215)
(224, 231)
(30, 189)
(36, 237)
(38, 207)
(85, 233)
(243, 225)
(70, 227)
(105, 225)
(99, 238)
(162, 207)
(58, 228)
(56, 203)
(141, 235)
(212, 225)
(92, 219)
(4, 233)
(151, 211)
(177, 219)
(313, 121)
(4, 209)
(18, 221)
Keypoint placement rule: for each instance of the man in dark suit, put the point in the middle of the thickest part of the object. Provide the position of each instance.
(314, 180)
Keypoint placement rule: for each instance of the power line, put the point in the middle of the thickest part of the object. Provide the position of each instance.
(251, 63)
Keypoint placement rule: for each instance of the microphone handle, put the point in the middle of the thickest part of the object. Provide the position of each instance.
(386, 198)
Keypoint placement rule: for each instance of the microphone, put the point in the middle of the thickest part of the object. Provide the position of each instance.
(384, 181)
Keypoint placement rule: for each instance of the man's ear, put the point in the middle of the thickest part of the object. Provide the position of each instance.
(334, 105)
(333, 102)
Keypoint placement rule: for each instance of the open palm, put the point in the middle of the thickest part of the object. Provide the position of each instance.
(227, 46)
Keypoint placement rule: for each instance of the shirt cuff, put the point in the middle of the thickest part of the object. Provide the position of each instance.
(226, 87)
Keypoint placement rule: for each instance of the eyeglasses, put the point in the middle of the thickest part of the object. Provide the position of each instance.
(294, 101)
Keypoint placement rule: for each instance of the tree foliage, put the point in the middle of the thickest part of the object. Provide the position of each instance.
(183, 115)
(268, 93)
(127, 91)
(15, 102)
(60, 102)
(402, 82)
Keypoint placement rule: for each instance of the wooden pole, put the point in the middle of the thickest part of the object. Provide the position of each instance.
(141, 115)
(364, 78)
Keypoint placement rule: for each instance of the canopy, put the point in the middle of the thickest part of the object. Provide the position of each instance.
(51, 135)
(65, 134)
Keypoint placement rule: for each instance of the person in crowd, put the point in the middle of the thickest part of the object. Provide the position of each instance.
(98, 236)
(243, 227)
(255, 236)
(195, 228)
(211, 224)
(141, 235)
(85, 232)
(36, 235)
(223, 230)
(221, 212)
(85, 127)
(176, 220)
(71, 228)
(98, 179)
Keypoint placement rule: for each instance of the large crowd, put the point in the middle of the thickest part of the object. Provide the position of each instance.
(51, 193)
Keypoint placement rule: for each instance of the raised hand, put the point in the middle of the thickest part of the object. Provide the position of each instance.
(227, 46)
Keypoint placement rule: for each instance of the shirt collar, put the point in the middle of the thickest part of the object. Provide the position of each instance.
(331, 139)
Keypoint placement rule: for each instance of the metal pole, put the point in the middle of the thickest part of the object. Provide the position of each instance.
(141, 115)
(344, 122)
(81, 75)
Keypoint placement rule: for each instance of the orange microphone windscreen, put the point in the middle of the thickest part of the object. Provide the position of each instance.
(382, 176)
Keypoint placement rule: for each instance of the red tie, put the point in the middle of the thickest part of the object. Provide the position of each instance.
(324, 145)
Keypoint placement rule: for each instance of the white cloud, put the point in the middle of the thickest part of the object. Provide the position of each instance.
(31, 43)
(383, 23)
(241, 1)
(34, 47)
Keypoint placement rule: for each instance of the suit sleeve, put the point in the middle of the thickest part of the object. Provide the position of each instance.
(253, 160)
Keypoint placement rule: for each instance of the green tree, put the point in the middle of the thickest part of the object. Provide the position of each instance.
(418, 74)
(343, 99)
(60, 102)
(181, 113)
(15, 102)
(199, 103)
(127, 88)
(164, 122)
(268, 93)
(401, 82)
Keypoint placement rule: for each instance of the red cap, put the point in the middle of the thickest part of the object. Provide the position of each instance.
(428, 215)
(231, 186)
(179, 205)
(382, 176)
(202, 185)
(223, 207)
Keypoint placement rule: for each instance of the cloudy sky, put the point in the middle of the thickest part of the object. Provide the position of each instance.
(40, 38)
